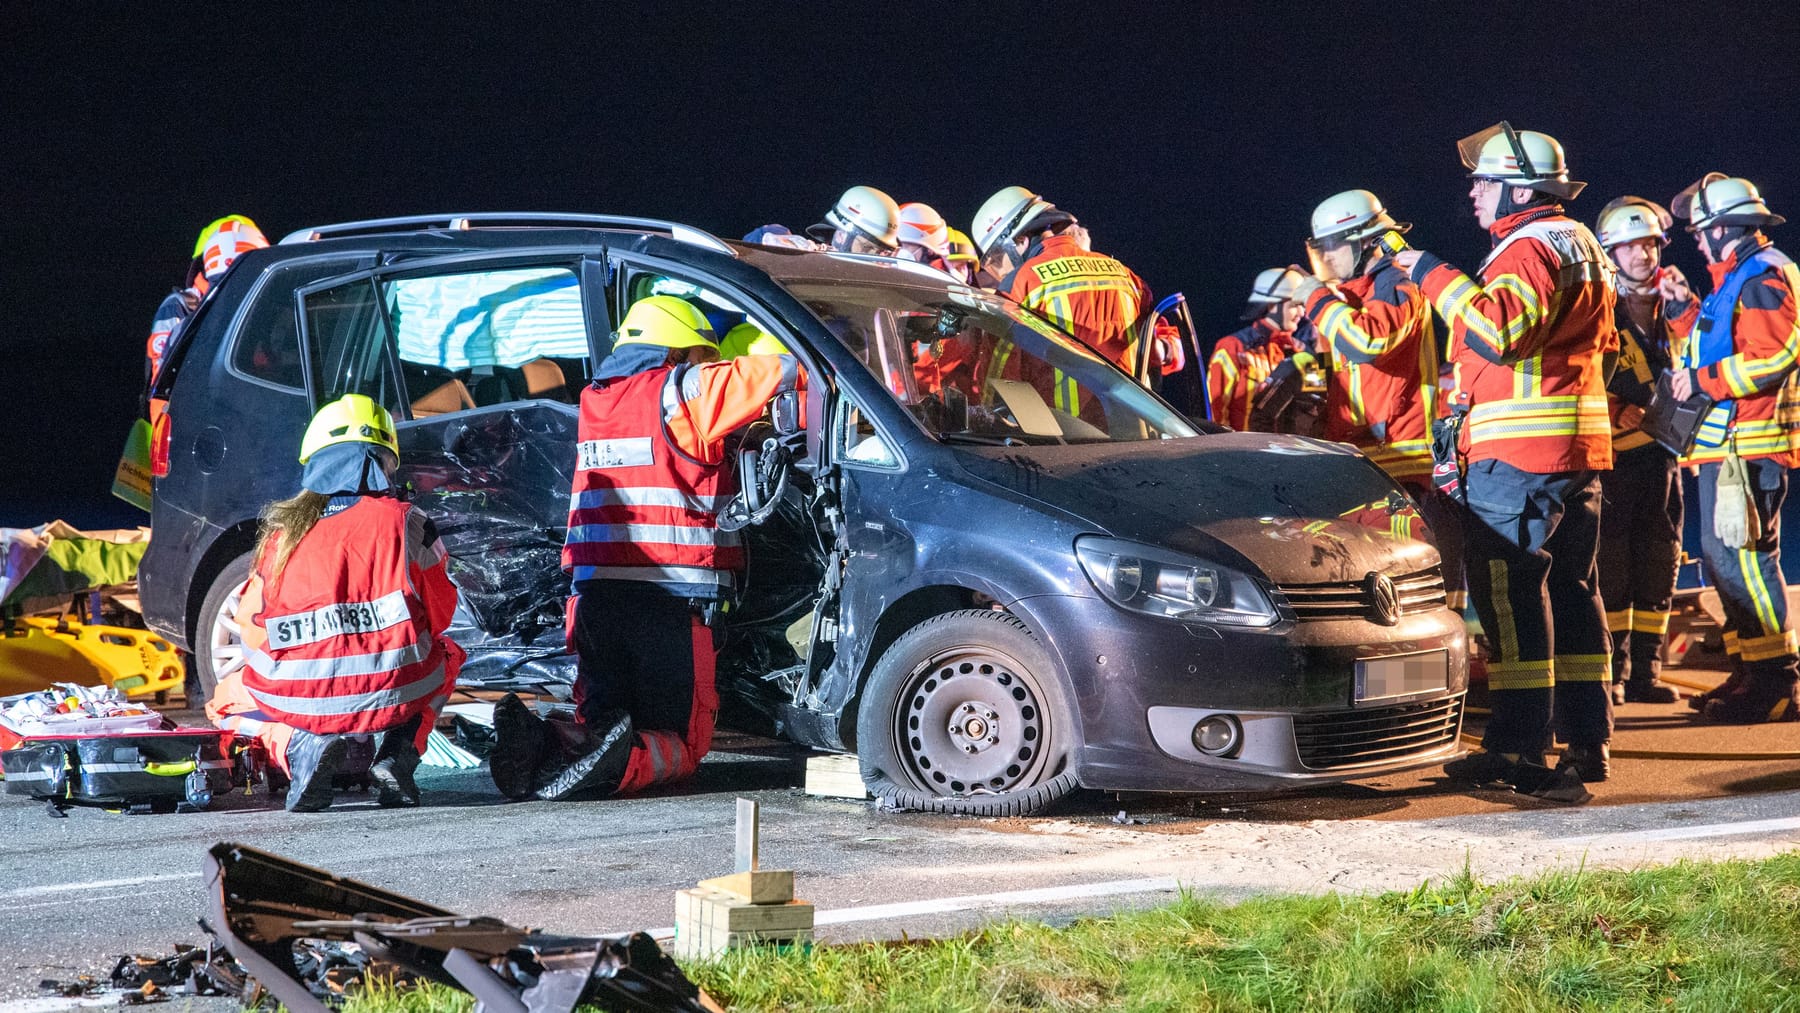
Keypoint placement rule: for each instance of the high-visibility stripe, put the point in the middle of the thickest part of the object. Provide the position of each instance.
(1509, 630)
(1618, 622)
(1502, 675)
(352, 703)
(1650, 621)
(657, 574)
(1731, 643)
(651, 496)
(662, 534)
(1759, 591)
(312, 669)
(337, 619)
(1583, 668)
(1773, 646)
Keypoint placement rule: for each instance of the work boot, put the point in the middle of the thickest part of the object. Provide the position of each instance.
(1645, 691)
(1591, 763)
(313, 761)
(598, 770)
(1483, 767)
(396, 759)
(1755, 702)
(522, 743)
(1560, 785)
(1732, 684)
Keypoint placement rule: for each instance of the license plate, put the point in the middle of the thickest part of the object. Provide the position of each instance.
(1404, 675)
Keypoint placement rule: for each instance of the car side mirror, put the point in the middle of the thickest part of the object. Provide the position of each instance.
(784, 413)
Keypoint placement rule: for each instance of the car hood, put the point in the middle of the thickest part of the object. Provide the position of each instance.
(1300, 511)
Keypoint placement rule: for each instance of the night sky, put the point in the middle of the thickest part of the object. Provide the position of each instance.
(1193, 146)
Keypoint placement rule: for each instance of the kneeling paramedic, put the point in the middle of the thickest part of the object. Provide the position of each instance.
(650, 564)
(1742, 352)
(1528, 338)
(343, 619)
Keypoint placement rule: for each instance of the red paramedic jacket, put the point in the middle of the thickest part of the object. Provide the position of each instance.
(1527, 338)
(650, 475)
(348, 638)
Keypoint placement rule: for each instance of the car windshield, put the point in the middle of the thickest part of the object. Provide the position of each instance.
(972, 367)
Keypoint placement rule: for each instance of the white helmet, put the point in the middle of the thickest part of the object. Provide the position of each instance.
(1718, 199)
(1525, 158)
(1353, 215)
(864, 211)
(921, 225)
(1276, 285)
(1627, 218)
(1004, 214)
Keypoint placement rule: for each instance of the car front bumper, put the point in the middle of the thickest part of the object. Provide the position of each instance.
(1140, 684)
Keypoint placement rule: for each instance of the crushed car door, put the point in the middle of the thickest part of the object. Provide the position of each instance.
(481, 359)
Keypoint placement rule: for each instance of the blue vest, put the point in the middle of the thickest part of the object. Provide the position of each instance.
(1712, 339)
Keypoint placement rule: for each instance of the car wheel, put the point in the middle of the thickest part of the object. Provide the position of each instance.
(218, 641)
(964, 714)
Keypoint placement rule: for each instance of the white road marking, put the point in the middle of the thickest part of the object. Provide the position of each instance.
(97, 884)
(944, 905)
(1688, 833)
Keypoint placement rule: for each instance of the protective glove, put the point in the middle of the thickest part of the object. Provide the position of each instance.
(1734, 512)
(1168, 352)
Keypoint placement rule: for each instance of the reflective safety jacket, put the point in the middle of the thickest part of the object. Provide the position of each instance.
(1240, 362)
(177, 307)
(1745, 355)
(1089, 295)
(1645, 339)
(1527, 339)
(1384, 387)
(348, 638)
(651, 475)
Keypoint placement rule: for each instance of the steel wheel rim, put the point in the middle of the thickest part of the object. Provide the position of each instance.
(971, 720)
(226, 645)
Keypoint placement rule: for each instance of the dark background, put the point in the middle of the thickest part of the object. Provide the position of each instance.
(1192, 141)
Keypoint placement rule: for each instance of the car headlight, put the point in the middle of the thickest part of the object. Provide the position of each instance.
(1159, 582)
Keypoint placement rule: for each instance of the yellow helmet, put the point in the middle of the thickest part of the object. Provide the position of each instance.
(668, 321)
(962, 248)
(353, 418)
(749, 339)
(221, 223)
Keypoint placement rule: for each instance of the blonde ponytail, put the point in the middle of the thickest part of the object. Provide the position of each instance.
(285, 522)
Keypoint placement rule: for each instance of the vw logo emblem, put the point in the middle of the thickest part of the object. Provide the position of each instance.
(1384, 599)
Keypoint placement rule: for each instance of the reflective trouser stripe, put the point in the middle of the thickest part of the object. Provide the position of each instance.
(1584, 668)
(1773, 646)
(1619, 621)
(1503, 675)
(1650, 621)
(1508, 631)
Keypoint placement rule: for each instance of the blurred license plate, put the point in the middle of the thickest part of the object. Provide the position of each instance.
(1405, 675)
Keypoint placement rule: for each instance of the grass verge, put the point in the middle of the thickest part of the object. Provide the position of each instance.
(1692, 936)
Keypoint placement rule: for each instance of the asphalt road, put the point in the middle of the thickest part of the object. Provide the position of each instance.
(78, 891)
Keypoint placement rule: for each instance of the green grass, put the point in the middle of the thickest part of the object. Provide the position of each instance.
(1693, 936)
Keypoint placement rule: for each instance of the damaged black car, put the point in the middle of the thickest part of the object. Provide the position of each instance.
(980, 557)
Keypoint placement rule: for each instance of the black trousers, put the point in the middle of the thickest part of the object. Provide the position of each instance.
(1530, 543)
(1640, 551)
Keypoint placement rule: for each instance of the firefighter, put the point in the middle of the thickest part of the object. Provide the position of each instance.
(220, 243)
(961, 261)
(1741, 349)
(1380, 334)
(1243, 359)
(1640, 521)
(864, 220)
(343, 619)
(1086, 294)
(651, 566)
(1003, 229)
(1528, 336)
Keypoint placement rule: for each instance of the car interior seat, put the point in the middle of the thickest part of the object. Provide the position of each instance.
(450, 396)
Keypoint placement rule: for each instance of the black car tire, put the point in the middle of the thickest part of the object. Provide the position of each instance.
(964, 714)
(209, 649)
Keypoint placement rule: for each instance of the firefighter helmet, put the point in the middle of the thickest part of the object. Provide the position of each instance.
(1527, 158)
(921, 225)
(1626, 218)
(668, 321)
(1277, 284)
(1353, 215)
(1718, 199)
(225, 241)
(353, 418)
(1004, 214)
(863, 211)
(958, 247)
